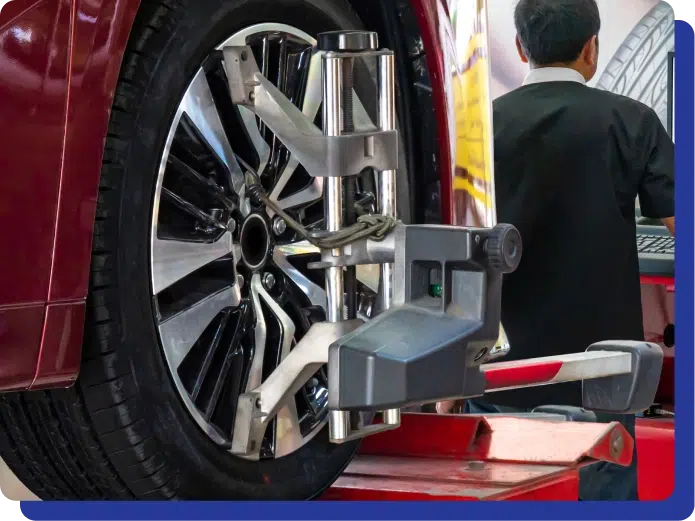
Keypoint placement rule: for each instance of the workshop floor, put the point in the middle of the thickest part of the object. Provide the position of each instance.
(11, 487)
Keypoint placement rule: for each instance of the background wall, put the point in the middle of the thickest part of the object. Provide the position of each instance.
(635, 39)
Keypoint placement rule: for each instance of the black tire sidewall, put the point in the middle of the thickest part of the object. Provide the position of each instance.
(205, 470)
(644, 53)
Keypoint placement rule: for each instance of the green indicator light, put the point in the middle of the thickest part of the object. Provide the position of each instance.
(436, 290)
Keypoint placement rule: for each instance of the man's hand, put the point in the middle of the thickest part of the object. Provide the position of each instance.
(450, 407)
(670, 223)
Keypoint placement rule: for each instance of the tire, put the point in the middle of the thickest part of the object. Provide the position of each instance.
(639, 68)
(122, 432)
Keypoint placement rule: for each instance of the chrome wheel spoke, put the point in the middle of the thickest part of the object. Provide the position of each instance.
(276, 150)
(315, 293)
(310, 107)
(248, 120)
(210, 187)
(182, 331)
(199, 105)
(231, 365)
(173, 260)
(210, 355)
(192, 210)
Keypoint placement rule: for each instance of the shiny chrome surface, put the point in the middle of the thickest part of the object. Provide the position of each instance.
(387, 178)
(281, 255)
(173, 260)
(180, 332)
(333, 200)
(387, 190)
(199, 105)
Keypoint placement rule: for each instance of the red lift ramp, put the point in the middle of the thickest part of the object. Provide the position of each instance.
(464, 458)
(509, 457)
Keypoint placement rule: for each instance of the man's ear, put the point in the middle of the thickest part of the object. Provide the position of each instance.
(520, 49)
(590, 52)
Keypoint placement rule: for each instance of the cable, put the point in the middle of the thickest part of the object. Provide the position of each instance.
(376, 227)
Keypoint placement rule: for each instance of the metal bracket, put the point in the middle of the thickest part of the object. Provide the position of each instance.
(321, 156)
(257, 407)
(362, 252)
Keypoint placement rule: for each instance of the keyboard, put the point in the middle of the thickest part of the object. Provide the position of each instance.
(656, 244)
(656, 251)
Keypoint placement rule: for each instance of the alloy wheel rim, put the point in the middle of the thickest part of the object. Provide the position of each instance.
(222, 325)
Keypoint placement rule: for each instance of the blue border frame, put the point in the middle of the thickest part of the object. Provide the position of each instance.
(678, 507)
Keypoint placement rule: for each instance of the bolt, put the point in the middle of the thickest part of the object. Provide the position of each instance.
(268, 281)
(258, 403)
(252, 97)
(279, 226)
(240, 280)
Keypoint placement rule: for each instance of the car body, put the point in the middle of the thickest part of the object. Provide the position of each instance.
(59, 64)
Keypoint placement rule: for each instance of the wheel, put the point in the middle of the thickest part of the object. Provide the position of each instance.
(195, 292)
(639, 68)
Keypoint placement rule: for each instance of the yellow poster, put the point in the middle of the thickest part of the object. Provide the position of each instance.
(473, 181)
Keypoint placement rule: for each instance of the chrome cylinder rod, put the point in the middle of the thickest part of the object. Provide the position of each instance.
(387, 178)
(339, 421)
(333, 195)
(387, 187)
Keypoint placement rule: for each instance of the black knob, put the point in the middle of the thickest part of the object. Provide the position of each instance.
(503, 247)
(348, 41)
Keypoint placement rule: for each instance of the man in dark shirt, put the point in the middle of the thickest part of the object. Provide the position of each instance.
(570, 161)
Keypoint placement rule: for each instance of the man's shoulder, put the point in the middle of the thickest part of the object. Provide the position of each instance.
(591, 99)
(618, 101)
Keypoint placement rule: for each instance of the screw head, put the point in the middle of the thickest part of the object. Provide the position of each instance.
(279, 226)
(240, 280)
(268, 281)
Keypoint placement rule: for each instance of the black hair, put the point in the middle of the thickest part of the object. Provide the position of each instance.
(555, 31)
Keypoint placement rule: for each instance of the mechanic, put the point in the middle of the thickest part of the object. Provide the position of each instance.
(570, 162)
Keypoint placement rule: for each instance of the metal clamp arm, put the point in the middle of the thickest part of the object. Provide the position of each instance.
(321, 156)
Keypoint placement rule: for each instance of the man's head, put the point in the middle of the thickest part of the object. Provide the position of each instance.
(558, 33)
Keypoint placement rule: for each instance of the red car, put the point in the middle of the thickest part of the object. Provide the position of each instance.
(136, 281)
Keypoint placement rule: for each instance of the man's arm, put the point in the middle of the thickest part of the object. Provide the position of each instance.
(670, 223)
(656, 188)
